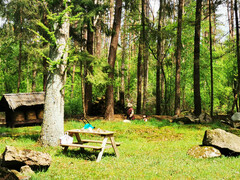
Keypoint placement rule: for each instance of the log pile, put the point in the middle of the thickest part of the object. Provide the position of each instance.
(19, 116)
(31, 115)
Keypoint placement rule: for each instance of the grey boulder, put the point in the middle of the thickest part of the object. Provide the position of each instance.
(227, 143)
(14, 158)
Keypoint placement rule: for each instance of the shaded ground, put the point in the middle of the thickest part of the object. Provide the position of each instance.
(121, 117)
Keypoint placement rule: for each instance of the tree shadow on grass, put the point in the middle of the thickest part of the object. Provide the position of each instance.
(89, 155)
(33, 137)
(14, 136)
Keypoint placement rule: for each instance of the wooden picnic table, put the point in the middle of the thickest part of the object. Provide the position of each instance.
(81, 143)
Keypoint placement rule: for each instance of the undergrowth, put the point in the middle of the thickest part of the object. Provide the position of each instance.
(149, 150)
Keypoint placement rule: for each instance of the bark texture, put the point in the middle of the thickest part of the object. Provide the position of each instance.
(53, 121)
(196, 74)
(178, 59)
(109, 113)
(89, 69)
(159, 51)
(211, 58)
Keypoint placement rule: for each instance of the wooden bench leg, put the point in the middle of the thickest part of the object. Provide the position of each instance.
(65, 149)
(103, 147)
(114, 146)
(79, 141)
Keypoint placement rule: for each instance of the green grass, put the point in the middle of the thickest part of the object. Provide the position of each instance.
(149, 150)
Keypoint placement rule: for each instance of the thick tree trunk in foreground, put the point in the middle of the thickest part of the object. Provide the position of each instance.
(196, 74)
(53, 122)
(178, 59)
(109, 113)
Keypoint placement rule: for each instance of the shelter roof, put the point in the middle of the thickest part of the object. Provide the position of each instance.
(14, 101)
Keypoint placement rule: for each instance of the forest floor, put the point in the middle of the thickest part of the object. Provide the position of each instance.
(121, 117)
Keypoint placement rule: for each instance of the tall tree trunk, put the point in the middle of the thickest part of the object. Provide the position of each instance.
(83, 89)
(20, 51)
(196, 73)
(231, 20)
(145, 54)
(163, 80)
(214, 25)
(111, 14)
(140, 59)
(53, 122)
(237, 45)
(159, 51)
(163, 87)
(89, 69)
(139, 77)
(124, 44)
(129, 66)
(98, 38)
(230, 13)
(178, 59)
(44, 60)
(109, 114)
(211, 59)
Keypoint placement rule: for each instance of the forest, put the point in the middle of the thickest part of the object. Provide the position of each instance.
(164, 57)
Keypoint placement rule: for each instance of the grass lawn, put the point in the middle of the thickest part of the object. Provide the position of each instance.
(149, 150)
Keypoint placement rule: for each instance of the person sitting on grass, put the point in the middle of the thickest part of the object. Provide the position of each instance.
(130, 112)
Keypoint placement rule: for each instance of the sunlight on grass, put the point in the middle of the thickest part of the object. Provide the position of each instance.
(149, 150)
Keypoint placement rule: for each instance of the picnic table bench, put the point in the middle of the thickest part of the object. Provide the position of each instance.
(82, 143)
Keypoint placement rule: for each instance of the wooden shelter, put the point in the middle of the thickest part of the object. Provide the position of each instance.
(22, 108)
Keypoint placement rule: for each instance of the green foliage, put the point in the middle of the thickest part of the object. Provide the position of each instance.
(98, 76)
(34, 24)
(73, 107)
